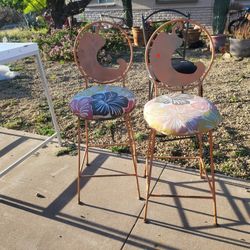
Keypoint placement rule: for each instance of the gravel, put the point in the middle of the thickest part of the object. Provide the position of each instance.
(23, 106)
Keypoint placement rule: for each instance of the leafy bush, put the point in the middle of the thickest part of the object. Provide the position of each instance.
(58, 45)
(115, 41)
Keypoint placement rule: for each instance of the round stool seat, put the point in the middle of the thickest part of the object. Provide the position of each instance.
(102, 102)
(181, 114)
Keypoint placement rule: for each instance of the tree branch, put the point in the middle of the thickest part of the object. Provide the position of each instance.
(77, 7)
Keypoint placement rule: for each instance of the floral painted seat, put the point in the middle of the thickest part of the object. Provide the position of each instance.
(103, 102)
(181, 114)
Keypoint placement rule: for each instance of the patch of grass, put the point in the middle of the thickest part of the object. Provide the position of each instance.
(14, 124)
(140, 136)
(52, 77)
(62, 151)
(45, 130)
(43, 118)
(44, 105)
(176, 150)
(242, 152)
(21, 35)
(16, 67)
(120, 149)
(9, 103)
(219, 156)
(60, 103)
(111, 125)
(67, 150)
(194, 143)
(99, 132)
(234, 98)
(227, 167)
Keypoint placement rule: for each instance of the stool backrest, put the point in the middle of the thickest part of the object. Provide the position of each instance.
(159, 56)
(92, 55)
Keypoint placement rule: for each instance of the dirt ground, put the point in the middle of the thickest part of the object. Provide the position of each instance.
(23, 106)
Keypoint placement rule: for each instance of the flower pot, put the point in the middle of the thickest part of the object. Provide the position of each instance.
(240, 48)
(193, 36)
(138, 36)
(219, 41)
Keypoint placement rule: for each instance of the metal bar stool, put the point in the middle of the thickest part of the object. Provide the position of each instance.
(103, 101)
(180, 113)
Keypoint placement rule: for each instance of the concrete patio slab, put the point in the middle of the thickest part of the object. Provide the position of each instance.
(39, 207)
(13, 144)
(180, 223)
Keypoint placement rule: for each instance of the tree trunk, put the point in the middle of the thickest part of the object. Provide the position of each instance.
(60, 11)
(127, 7)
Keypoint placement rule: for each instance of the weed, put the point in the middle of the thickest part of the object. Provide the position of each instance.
(14, 124)
(62, 151)
(67, 150)
(242, 152)
(227, 167)
(176, 150)
(140, 136)
(52, 77)
(45, 130)
(194, 143)
(99, 132)
(234, 98)
(111, 126)
(43, 118)
(120, 149)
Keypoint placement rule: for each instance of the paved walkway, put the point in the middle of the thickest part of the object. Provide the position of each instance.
(39, 208)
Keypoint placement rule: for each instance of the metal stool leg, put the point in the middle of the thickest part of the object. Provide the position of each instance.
(149, 163)
(133, 151)
(85, 156)
(79, 160)
(87, 142)
(201, 161)
(212, 174)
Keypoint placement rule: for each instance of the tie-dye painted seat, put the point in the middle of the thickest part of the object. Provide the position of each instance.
(102, 64)
(178, 113)
(181, 114)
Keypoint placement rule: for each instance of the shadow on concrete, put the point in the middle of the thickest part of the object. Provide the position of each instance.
(53, 211)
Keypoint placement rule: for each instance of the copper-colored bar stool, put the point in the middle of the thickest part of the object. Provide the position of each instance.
(178, 113)
(101, 99)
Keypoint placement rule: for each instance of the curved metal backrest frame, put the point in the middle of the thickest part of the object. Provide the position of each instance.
(149, 46)
(144, 20)
(106, 73)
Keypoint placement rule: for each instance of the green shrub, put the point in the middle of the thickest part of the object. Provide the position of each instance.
(115, 41)
(58, 45)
